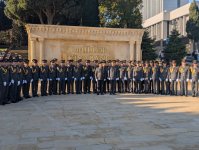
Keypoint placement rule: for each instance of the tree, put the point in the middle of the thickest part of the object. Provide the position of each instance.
(148, 50)
(192, 27)
(121, 13)
(90, 13)
(46, 11)
(175, 48)
(5, 23)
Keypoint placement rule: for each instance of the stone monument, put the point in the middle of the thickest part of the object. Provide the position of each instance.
(71, 42)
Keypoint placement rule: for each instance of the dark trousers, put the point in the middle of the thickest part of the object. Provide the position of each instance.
(70, 86)
(19, 89)
(26, 89)
(62, 86)
(52, 87)
(129, 85)
(194, 87)
(13, 93)
(43, 88)
(163, 87)
(100, 86)
(174, 87)
(151, 86)
(156, 86)
(138, 86)
(108, 85)
(183, 88)
(94, 86)
(147, 86)
(122, 85)
(4, 94)
(78, 86)
(87, 85)
(104, 86)
(168, 90)
(113, 86)
(35, 87)
(118, 87)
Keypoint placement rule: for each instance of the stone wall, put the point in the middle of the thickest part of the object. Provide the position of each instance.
(68, 42)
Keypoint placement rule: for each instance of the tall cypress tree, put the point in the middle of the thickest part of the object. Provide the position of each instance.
(148, 50)
(90, 13)
(175, 49)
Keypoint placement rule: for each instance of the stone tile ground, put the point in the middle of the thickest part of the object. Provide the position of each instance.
(90, 122)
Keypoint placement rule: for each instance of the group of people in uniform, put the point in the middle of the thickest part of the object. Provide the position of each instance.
(100, 77)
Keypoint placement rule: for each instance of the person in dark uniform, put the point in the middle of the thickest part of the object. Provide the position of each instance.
(13, 81)
(173, 77)
(52, 78)
(62, 77)
(56, 82)
(27, 79)
(147, 72)
(122, 76)
(113, 75)
(70, 77)
(87, 73)
(105, 76)
(94, 83)
(183, 76)
(20, 66)
(44, 71)
(138, 77)
(156, 78)
(130, 77)
(4, 82)
(78, 73)
(117, 87)
(35, 75)
(99, 77)
(108, 81)
(151, 81)
(163, 78)
(194, 78)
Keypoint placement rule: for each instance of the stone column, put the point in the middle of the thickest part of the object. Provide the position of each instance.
(138, 51)
(132, 50)
(33, 48)
(41, 49)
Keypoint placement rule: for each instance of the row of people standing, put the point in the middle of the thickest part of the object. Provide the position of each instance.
(16, 77)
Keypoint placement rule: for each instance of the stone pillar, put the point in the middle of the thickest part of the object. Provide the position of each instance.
(138, 51)
(132, 50)
(33, 48)
(41, 49)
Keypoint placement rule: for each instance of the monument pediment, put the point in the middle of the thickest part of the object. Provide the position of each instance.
(61, 41)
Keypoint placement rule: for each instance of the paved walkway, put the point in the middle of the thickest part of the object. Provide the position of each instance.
(90, 122)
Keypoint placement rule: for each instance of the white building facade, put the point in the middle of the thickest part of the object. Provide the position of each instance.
(161, 16)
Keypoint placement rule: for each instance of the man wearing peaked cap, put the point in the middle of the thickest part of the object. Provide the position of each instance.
(62, 77)
(194, 78)
(43, 77)
(35, 75)
(70, 77)
(27, 74)
(4, 82)
(87, 77)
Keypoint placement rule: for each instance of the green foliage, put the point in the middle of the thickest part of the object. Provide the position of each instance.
(192, 27)
(5, 37)
(90, 13)
(148, 50)
(121, 13)
(5, 23)
(46, 11)
(175, 49)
